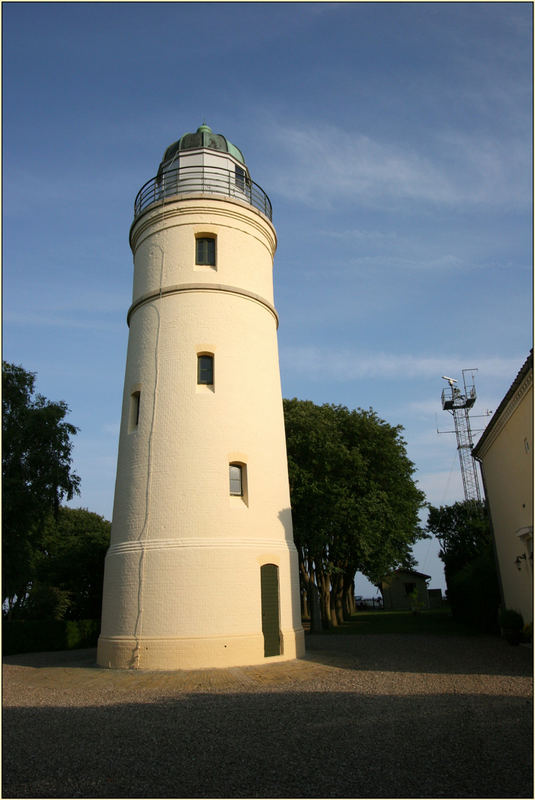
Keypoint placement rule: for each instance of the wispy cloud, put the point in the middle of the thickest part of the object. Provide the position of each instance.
(392, 262)
(424, 407)
(442, 488)
(361, 235)
(58, 321)
(322, 163)
(336, 364)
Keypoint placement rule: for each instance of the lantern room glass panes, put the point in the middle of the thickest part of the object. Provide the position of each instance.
(205, 251)
(240, 177)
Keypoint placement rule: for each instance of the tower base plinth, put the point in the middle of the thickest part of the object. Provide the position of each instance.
(152, 653)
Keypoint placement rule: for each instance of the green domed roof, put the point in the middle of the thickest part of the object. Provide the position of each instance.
(203, 137)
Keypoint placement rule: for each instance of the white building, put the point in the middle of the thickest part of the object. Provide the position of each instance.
(505, 452)
(202, 570)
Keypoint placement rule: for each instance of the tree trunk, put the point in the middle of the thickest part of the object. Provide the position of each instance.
(337, 595)
(349, 594)
(311, 598)
(332, 602)
(305, 611)
(315, 608)
(325, 599)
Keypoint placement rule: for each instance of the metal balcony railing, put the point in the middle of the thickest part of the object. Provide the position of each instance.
(208, 180)
(453, 398)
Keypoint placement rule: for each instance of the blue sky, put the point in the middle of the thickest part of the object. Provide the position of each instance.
(394, 140)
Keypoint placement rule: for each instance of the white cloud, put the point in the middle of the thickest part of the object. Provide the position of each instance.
(347, 365)
(324, 163)
(408, 250)
(428, 262)
(57, 321)
(489, 166)
(426, 407)
(360, 234)
(442, 488)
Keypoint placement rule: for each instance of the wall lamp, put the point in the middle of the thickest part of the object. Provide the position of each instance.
(518, 561)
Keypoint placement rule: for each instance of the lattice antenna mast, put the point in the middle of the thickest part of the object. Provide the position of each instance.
(459, 405)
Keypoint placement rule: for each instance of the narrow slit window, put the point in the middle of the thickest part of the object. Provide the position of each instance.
(205, 251)
(205, 369)
(135, 398)
(235, 478)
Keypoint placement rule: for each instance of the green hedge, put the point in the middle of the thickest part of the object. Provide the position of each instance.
(474, 593)
(34, 636)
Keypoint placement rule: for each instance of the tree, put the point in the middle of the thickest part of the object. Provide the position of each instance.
(354, 502)
(36, 474)
(467, 550)
(69, 567)
(462, 529)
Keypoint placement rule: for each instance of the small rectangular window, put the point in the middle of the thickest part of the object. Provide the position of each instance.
(235, 476)
(205, 369)
(133, 417)
(205, 251)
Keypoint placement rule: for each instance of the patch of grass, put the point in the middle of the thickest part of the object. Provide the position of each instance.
(439, 621)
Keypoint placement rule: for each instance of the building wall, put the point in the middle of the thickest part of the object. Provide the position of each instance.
(395, 596)
(507, 466)
(182, 576)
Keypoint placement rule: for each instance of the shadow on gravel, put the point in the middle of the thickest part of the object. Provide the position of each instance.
(73, 659)
(276, 744)
(477, 655)
(420, 653)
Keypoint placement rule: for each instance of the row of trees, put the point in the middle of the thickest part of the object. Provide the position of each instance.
(354, 500)
(355, 504)
(52, 556)
(66, 568)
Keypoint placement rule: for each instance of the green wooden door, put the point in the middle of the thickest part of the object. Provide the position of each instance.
(269, 583)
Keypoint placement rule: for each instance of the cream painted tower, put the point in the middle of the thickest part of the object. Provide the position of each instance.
(202, 570)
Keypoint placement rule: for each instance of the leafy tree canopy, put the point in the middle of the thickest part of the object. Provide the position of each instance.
(351, 486)
(463, 530)
(36, 472)
(354, 501)
(69, 566)
(467, 550)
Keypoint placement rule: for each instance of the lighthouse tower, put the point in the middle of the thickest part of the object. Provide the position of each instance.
(202, 570)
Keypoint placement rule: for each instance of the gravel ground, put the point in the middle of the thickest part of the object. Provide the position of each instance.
(359, 716)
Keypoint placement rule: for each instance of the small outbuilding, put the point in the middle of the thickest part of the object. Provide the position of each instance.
(405, 589)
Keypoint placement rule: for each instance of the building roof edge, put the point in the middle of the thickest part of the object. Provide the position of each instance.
(525, 368)
(401, 571)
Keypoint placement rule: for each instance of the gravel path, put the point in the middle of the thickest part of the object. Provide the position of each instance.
(359, 716)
